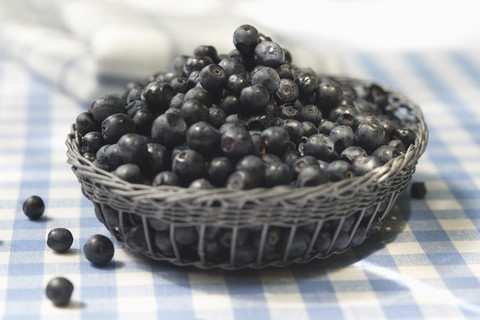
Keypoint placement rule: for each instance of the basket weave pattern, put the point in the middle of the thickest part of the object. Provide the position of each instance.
(329, 216)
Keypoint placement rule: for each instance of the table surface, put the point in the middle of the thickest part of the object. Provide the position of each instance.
(423, 264)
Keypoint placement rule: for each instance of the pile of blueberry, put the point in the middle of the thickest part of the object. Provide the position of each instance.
(249, 118)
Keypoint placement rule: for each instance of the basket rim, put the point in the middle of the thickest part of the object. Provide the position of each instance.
(175, 193)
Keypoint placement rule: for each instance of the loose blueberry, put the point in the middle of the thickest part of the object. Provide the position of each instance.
(418, 190)
(59, 290)
(33, 207)
(59, 239)
(99, 250)
(245, 39)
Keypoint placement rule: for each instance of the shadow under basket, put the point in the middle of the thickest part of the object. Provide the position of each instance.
(255, 228)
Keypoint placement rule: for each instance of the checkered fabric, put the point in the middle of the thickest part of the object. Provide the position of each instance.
(423, 264)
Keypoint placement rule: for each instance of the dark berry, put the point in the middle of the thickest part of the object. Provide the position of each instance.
(236, 83)
(143, 120)
(193, 64)
(135, 239)
(267, 77)
(106, 106)
(186, 236)
(157, 95)
(59, 239)
(252, 164)
(303, 162)
(351, 153)
(169, 130)
(418, 190)
(206, 51)
(163, 243)
(166, 178)
(287, 91)
(342, 137)
(245, 39)
(134, 106)
(254, 99)
(287, 111)
(295, 129)
(213, 78)
(112, 156)
(99, 250)
(363, 117)
(343, 114)
(276, 140)
(328, 93)
(85, 123)
(216, 116)
(321, 147)
(310, 176)
(308, 128)
(132, 148)
(188, 165)
(177, 101)
(116, 126)
(59, 290)
(369, 136)
(397, 145)
(363, 165)
(91, 142)
(277, 174)
(219, 169)
(233, 66)
(236, 142)
(201, 183)
(269, 53)
(230, 104)
(192, 79)
(338, 170)
(242, 180)
(407, 136)
(129, 172)
(385, 153)
(193, 110)
(204, 138)
(311, 113)
(307, 84)
(157, 159)
(326, 126)
(33, 207)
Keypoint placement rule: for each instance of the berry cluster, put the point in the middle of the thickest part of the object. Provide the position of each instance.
(249, 118)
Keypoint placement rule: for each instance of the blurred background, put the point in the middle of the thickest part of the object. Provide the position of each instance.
(92, 47)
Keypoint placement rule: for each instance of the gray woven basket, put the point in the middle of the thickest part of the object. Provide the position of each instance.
(327, 219)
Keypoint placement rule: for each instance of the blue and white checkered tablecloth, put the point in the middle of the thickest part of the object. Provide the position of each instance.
(424, 264)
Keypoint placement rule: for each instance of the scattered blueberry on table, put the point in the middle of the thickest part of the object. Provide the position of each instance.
(59, 290)
(99, 250)
(59, 239)
(33, 207)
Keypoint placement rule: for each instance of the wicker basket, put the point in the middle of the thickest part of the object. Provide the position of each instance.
(282, 225)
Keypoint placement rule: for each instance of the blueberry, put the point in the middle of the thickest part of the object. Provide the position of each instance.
(163, 243)
(112, 156)
(385, 153)
(363, 165)
(312, 113)
(351, 153)
(303, 162)
(286, 70)
(226, 238)
(244, 255)
(169, 130)
(216, 116)
(201, 183)
(129, 172)
(321, 147)
(267, 77)
(236, 83)
(232, 66)
(33, 207)
(59, 290)
(363, 117)
(236, 142)
(157, 95)
(230, 104)
(259, 122)
(339, 170)
(326, 126)
(98, 250)
(343, 114)
(166, 178)
(213, 78)
(252, 164)
(143, 120)
(177, 101)
(287, 91)
(85, 123)
(242, 180)
(206, 51)
(132, 148)
(307, 84)
(204, 138)
(276, 140)
(116, 126)
(277, 174)
(179, 85)
(110, 216)
(327, 95)
(369, 136)
(397, 145)
(59, 239)
(193, 64)
(342, 137)
(91, 142)
(106, 106)
(193, 110)
(135, 105)
(269, 53)
(245, 39)
(135, 239)
(310, 176)
(295, 129)
(193, 79)
(358, 236)
(299, 245)
(254, 99)
(157, 159)
(308, 128)
(219, 169)
(287, 111)
(406, 135)
(323, 242)
(186, 236)
(342, 242)
(418, 190)
(188, 165)
(290, 156)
